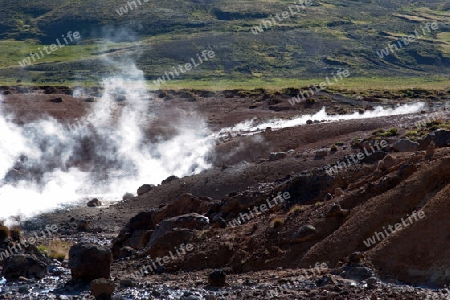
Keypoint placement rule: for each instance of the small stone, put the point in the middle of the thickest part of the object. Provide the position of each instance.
(217, 278)
(358, 273)
(102, 288)
(145, 188)
(304, 233)
(355, 257)
(127, 282)
(94, 202)
(372, 282)
(335, 211)
(325, 280)
(277, 156)
(82, 225)
(405, 145)
(321, 153)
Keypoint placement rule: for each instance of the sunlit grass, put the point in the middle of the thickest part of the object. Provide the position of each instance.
(351, 84)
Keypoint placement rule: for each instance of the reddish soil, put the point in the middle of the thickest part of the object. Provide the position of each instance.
(243, 176)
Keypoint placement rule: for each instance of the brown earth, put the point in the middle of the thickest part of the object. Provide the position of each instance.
(371, 199)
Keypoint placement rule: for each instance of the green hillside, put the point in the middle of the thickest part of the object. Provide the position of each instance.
(315, 42)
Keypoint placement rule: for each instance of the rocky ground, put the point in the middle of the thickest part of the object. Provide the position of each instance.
(166, 242)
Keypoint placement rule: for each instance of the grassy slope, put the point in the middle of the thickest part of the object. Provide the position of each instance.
(300, 50)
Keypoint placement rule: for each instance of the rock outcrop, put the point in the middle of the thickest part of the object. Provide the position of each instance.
(89, 261)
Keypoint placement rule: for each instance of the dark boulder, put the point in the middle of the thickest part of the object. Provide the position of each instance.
(89, 261)
(24, 265)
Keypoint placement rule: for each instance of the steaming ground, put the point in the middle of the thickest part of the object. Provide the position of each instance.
(251, 126)
(46, 164)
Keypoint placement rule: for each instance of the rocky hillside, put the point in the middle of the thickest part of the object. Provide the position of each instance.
(354, 206)
(319, 39)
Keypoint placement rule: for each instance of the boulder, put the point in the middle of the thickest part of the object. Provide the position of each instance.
(336, 211)
(277, 156)
(169, 179)
(89, 261)
(187, 203)
(143, 221)
(304, 233)
(145, 188)
(405, 145)
(24, 265)
(164, 243)
(102, 288)
(441, 138)
(187, 221)
(94, 202)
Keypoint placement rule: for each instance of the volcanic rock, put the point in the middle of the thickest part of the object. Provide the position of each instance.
(440, 137)
(277, 156)
(145, 188)
(169, 179)
(357, 273)
(102, 288)
(138, 239)
(217, 278)
(165, 242)
(187, 221)
(336, 211)
(321, 153)
(89, 261)
(25, 265)
(374, 157)
(94, 202)
(82, 225)
(304, 233)
(405, 145)
(372, 282)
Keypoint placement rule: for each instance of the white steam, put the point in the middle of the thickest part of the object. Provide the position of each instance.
(46, 164)
(251, 126)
